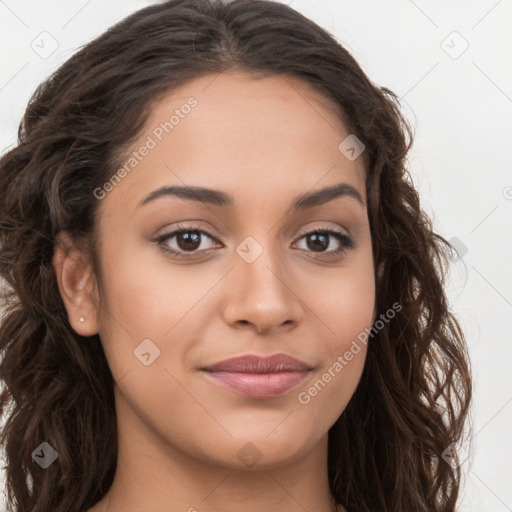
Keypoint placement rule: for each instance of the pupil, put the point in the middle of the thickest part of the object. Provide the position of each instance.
(324, 242)
(188, 240)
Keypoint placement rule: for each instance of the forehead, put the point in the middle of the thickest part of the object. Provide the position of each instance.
(240, 132)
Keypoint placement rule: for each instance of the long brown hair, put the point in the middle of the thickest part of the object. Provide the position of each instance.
(386, 449)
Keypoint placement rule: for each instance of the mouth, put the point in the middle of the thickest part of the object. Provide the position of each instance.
(258, 377)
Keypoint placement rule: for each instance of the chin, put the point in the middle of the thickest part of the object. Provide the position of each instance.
(257, 450)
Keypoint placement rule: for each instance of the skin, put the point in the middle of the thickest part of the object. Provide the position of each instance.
(264, 142)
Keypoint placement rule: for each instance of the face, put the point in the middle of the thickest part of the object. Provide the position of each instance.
(195, 277)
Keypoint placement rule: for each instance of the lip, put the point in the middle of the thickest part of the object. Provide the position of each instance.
(259, 377)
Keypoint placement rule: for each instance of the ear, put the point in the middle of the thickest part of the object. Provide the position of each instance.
(77, 285)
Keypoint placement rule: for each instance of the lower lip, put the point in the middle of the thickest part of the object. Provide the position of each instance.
(259, 385)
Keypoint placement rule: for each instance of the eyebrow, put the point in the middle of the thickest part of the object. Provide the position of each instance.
(218, 198)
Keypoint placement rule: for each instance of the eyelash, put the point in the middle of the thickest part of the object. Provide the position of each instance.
(346, 243)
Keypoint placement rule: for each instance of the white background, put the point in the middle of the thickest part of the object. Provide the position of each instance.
(461, 106)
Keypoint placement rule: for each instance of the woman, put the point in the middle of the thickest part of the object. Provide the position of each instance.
(222, 290)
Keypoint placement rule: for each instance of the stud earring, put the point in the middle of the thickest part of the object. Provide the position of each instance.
(82, 319)
(80, 286)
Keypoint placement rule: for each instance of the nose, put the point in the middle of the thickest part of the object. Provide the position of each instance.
(262, 295)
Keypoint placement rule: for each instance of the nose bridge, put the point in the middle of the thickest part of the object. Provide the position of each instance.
(259, 265)
(263, 296)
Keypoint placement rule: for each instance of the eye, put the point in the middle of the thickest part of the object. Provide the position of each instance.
(320, 240)
(183, 240)
(189, 240)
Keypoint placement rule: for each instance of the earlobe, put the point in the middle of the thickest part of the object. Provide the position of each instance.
(76, 284)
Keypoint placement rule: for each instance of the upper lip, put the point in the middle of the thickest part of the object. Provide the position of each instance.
(256, 364)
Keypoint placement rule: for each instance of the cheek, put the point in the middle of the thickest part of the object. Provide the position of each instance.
(344, 300)
(148, 295)
(152, 302)
(345, 310)
(328, 393)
